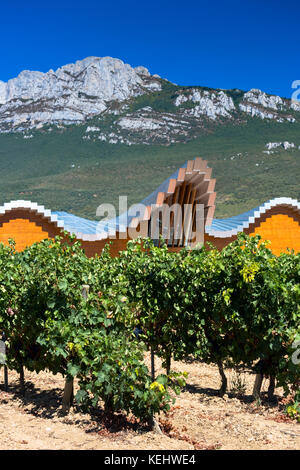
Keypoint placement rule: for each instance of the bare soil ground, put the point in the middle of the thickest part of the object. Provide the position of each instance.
(200, 419)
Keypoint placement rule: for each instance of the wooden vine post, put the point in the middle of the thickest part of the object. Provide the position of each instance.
(152, 365)
(22, 378)
(5, 378)
(68, 396)
(153, 421)
(3, 361)
(257, 385)
(168, 364)
(223, 388)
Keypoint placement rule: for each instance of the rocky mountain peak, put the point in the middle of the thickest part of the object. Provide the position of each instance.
(72, 92)
(95, 88)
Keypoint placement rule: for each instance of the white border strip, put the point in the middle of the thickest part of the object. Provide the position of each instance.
(46, 213)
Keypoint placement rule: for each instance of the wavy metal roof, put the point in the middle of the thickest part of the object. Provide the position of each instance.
(221, 228)
(224, 228)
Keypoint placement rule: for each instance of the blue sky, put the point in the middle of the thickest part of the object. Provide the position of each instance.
(222, 44)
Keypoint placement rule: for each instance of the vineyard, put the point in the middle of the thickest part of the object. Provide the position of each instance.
(92, 320)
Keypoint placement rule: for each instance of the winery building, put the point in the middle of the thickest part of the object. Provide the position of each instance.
(277, 220)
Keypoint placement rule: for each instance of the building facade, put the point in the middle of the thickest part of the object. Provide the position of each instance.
(277, 220)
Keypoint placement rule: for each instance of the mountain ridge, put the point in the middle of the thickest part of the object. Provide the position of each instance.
(71, 93)
(75, 93)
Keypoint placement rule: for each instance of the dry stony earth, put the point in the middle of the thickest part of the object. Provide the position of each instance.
(198, 420)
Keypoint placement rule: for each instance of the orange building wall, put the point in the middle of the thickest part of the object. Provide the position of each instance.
(27, 227)
(282, 231)
(280, 226)
(24, 233)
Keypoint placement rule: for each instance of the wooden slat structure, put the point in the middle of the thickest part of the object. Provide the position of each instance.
(192, 186)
